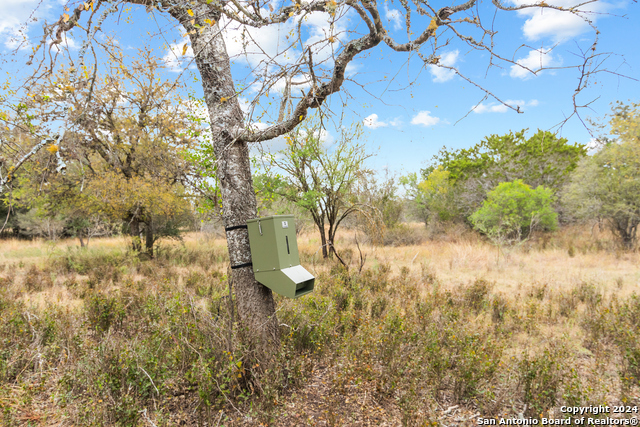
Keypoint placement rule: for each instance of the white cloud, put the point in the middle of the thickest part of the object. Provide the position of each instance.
(326, 137)
(13, 20)
(256, 45)
(593, 146)
(66, 43)
(174, 59)
(397, 122)
(424, 118)
(496, 107)
(394, 16)
(441, 75)
(273, 43)
(270, 49)
(559, 25)
(352, 69)
(490, 108)
(245, 105)
(534, 61)
(372, 122)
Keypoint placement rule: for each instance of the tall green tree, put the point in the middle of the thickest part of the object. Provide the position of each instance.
(384, 206)
(542, 159)
(606, 186)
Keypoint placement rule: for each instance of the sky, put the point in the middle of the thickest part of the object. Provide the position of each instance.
(408, 112)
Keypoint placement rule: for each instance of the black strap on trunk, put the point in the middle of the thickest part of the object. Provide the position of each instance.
(246, 264)
(235, 227)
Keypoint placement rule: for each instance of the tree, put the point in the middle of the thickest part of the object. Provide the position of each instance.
(384, 207)
(543, 159)
(513, 210)
(606, 186)
(319, 179)
(433, 197)
(122, 159)
(320, 65)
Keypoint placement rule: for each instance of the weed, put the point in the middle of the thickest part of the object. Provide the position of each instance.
(474, 295)
(378, 307)
(499, 308)
(587, 293)
(541, 378)
(428, 273)
(104, 311)
(156, 337)
(36, 280)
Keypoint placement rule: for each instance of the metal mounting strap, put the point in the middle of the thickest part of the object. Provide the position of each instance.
(246, 264)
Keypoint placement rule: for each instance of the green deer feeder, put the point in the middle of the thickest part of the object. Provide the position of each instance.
(274, 253)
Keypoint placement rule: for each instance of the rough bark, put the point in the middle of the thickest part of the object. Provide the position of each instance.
(323, 240)
(255, 303)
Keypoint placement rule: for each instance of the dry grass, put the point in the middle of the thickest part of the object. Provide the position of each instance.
(97, 337)
(463, 260)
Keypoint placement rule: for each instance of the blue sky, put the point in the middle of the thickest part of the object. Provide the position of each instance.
(408, 112)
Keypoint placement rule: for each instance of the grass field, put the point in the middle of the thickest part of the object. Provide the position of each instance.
(439, 333)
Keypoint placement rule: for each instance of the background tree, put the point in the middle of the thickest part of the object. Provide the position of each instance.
(318, 178)
(319, 64)
(606, 185)
(383, 206)
(433, 198)
(513, 210)
(123, 159)
(543, 159)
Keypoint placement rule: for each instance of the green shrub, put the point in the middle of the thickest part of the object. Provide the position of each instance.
(513, 210)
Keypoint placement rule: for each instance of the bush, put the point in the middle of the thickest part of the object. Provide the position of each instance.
(513, 210)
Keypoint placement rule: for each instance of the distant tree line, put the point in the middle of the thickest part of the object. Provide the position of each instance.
(138, 161)
(508, 186)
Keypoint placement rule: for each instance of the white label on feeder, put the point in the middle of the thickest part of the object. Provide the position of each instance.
(285, 224)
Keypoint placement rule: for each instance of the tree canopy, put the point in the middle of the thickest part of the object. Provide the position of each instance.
(513, 210)
(123, 159)
(542, 159)
(319, 179)
(606, 186)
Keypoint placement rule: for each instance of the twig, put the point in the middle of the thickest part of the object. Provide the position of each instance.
(451, 408)
(363, 259)
(220, 418)
(146, 417)
(149, 376)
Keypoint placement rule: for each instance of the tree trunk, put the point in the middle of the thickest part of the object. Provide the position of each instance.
(134, 229)
(332, 236)
(255, 303)
(149, 237)
(323, 237)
